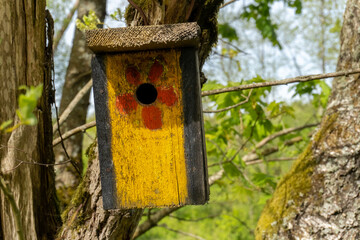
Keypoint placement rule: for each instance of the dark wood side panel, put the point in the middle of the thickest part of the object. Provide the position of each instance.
(103, 128)
(195, 153)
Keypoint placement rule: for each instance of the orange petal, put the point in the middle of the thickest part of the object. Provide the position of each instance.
(155, 71)
(152, 117)
(132, 75)
(167, 95)
(126, 103)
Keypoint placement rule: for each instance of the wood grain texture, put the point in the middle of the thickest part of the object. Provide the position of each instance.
(154, 154)
(143, 37)
(148, 157)
(195, 151)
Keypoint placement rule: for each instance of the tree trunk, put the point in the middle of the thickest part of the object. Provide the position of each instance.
(77, 75)
(319, 197)
(26, 60)
(87, 202)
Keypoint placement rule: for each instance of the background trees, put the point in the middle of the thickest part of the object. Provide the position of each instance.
(249, 146)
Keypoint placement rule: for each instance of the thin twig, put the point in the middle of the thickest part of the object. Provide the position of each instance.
(73, 103)
(140, 11)
(181, 232)
(11, 199)
(62, 143)
(232, 45)
(71, 132)
(228, 3)
(65, 25)
(270, 160)
(253, 156)
(230, 107)
(194, 220)
(280, 82)
(283, 132)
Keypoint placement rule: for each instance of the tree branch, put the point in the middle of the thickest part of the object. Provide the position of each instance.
(283, 132)
(228, 3)
(280, 82)
(181, 232)
(73, 104)
(230, 107)
(68, 134)
(253, 156)
(65, 25)
(270, 160)
(194, 220)
(140, 11)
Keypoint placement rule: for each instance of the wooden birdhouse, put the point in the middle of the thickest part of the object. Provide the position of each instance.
(149, 116)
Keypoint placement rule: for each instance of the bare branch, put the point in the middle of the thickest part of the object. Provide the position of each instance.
(253, 156)
(230, 107)
(140, 11)
(68, 134)
(65, 25)
(194, 220)
(270, 160)
(280, 82)
(232, 45)
(283, 132)
(181, 232)
(228, 3)
(73, 103)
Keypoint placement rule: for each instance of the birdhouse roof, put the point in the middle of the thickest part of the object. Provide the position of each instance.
(143, 37)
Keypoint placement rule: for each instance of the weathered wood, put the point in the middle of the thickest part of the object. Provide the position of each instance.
(148, 110)
(198, 187)
(143, 37)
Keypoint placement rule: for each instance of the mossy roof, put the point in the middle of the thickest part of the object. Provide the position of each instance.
(143, 37)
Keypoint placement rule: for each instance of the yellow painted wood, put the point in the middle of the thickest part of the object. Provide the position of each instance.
(149, 164)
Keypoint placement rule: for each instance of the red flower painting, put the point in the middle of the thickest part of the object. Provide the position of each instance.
(147, 92)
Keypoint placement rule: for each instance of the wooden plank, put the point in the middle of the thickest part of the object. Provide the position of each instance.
(147, 141)
(103, 128)
(151, 148)
(139, 38)
(195, 152)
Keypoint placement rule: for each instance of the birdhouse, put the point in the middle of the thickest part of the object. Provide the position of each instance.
(149, 116)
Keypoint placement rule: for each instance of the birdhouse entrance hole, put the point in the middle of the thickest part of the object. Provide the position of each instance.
(146, 93)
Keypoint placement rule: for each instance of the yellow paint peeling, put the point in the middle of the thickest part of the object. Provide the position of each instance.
(149, 164)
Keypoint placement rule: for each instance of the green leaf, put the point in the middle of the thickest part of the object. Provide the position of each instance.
(117, 15)
(227, 31)
(5, 125)
(231, 170)
(27, 104)
(90, 21)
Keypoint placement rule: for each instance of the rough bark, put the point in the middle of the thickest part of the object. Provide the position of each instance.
(24, 60)
(100, 224)
(319, 198)
(77, 75)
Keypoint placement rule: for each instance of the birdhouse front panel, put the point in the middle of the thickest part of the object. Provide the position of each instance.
(146, 114)
(149, 124)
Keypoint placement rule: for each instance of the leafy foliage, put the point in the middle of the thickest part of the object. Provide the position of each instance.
(27, 104)
(90, 21)
(260, 11)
